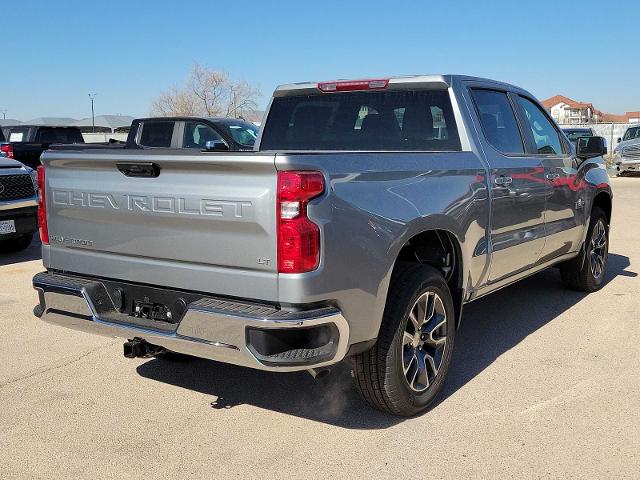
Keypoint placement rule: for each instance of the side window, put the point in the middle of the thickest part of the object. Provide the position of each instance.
(498, 121)
(17, 135)
(156, 134)
(544, 134)
(196, 135)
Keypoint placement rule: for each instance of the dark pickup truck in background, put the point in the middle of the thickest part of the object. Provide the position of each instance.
(224, 134)
(195, 133)
(25, 143)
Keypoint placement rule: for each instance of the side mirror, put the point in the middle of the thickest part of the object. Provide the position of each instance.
(589, 147)
(619, 139)
(216, 146)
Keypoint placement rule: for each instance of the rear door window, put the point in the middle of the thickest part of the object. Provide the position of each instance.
(403, 120)
(156, 134)
(498, 120)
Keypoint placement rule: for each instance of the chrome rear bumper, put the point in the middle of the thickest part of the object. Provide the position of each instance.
(211, 328)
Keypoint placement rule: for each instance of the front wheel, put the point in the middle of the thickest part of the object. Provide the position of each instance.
(588, 275)
(405, 370)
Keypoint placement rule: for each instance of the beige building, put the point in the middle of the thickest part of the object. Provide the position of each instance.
(566, 111)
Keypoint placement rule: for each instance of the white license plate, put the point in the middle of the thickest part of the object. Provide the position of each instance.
(7, 226)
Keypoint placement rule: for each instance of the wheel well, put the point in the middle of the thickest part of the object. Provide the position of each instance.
(441, 250)
(603, 200)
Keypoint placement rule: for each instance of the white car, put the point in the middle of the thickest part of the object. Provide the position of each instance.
(626, 155)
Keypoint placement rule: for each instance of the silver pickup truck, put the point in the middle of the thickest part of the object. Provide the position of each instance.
(368, 215)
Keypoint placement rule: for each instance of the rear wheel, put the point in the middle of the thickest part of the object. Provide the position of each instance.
(405, 370)
(16, 244)
(588, 275)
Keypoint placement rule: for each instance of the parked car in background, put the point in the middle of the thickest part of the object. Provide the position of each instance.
(369, 214)
(223, 134)
(25, 143)
(18, 205)
(575, 133)
(626, 155)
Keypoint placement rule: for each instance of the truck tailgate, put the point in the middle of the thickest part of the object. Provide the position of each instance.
(206, 222)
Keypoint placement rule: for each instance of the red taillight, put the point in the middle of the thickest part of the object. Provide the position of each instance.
(7, 149)
(42, 207)
(298, 237)
(351, 85)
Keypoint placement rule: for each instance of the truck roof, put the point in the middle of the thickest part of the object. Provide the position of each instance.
(223, 120)
(34, 125)
(436, 81)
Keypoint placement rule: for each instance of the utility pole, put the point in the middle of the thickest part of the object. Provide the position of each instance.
(93, 116)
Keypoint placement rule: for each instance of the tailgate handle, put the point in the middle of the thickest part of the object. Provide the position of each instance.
(150, 170)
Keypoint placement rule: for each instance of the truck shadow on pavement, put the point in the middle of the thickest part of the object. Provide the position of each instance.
(32, 252)
(485, 334)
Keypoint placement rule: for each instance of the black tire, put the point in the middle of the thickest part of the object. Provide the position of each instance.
(16, 244)
(579, 273)
(379, 373)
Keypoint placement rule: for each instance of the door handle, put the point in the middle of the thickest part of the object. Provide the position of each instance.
(552, 176)
(145, 169)
(503, 180)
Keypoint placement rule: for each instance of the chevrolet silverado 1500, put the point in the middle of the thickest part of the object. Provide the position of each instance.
(369, 213)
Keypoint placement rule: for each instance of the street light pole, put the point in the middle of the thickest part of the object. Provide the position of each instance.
(93, 116)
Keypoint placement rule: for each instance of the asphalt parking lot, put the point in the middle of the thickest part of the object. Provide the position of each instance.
(545, 383)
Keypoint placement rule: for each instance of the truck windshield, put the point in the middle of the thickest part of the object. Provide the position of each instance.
(631, 133)
(405, 120)
(573, 135)
(243, 133)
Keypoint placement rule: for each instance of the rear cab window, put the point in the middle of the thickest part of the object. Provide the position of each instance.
(396, 120)
(157, 134)
(59, 135)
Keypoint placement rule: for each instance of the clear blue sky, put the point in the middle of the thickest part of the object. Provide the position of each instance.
(55, 52)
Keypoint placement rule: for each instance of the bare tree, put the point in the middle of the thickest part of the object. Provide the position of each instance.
(207, 93)
(174, 102)
(211, 88)
(242, 99)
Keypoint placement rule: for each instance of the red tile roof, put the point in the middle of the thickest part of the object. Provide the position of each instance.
(556, 99)
(604, 117)
(614, 118)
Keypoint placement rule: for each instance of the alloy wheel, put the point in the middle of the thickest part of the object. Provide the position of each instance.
(424, 341)
(598, 250)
